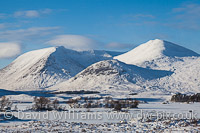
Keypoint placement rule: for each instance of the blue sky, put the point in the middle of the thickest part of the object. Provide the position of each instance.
(95, 24)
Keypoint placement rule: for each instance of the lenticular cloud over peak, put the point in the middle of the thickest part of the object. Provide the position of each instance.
(75, 42)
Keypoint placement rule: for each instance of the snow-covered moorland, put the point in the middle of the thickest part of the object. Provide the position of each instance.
(60, 126)
(83, 120)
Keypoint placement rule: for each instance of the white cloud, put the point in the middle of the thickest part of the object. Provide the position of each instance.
(186, 17)
(9, 49)
(76, 42)
(190, 9)
(31, 13)
(46, 11)
(2, 15)
(27, 34)
(28, 14)
(2, 26)
(139, 20)
(140, 16)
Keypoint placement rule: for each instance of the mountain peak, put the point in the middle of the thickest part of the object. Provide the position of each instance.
(169, 49)
(156, 41)
(154, 49)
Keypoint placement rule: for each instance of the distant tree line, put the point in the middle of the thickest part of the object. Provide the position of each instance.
(44, 103)
(107, 102)
(76, 92)
(186, 98)
(119, 104)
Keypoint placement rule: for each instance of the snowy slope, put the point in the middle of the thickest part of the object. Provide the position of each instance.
(163, 55)
(111, 76)
(181, 65)
(156, 54)
(46, 67)
(185, 79)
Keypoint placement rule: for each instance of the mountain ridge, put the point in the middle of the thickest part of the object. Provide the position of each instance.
(43, 68)
(182, 64)
(167, 68)
(107, 74)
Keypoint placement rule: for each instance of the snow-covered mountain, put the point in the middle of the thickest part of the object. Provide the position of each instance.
(178, 70)
(46, 67)
(163, 55)
(156, 66)
(111, 76)
(157, 54)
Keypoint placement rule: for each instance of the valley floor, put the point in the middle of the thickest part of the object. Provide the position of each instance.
(64, 126)
(152, 117)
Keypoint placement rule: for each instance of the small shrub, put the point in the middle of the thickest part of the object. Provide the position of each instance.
(42, 103)
(55, 104)
(5, 103)
(117, 106)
